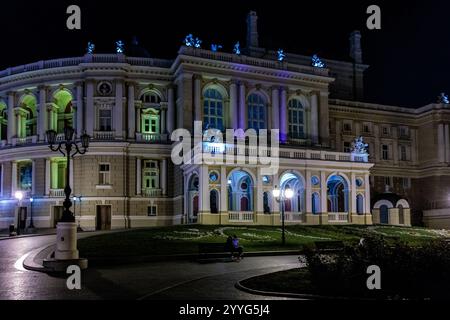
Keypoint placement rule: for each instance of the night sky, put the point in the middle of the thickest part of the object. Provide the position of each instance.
(409, 57)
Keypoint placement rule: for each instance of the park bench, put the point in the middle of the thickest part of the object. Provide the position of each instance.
(329, 246)
(209, 252)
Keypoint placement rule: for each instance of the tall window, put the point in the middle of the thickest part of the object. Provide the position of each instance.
(296, 119)
(256, 106)
(385, 152)
(403, 155)
(104, 174)
(105, 119)
(151, 98)
(347, 147)
(25, 176)
(213, 110)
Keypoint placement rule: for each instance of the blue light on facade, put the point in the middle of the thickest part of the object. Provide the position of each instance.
(215, 47)
(120, 46)
(189, 41)
(281, 55)
(316, 62)
(237, 49)
(90, 48)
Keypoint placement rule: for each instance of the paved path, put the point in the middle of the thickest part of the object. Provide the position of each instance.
(161, 280)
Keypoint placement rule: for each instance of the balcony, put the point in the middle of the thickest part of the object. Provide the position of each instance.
(23, 141)
(57, 193)
(338, 217)
(240, 216)
(150, 193)
(151, 137)
(104, 135)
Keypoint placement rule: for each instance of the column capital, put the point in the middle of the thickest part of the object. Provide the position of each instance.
(43, 87)
(131, 83)
(171, 86)
(79, 83)
(197, 76)
(11, 93)
(275, 88)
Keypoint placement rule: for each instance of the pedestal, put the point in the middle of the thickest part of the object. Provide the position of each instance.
(66, 241)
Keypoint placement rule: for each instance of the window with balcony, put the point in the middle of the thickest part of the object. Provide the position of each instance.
(24, 170)
(150, 121)
(105, 120)
(256, 107)
(57, 176)
(403, 153)
(26, 116)
(150, 178)
(296, 119)
(104, 174)
(63, 113)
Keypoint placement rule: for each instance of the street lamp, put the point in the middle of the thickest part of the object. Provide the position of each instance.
(31, 226)
(19, 196)
(66, 243)
(280, 196)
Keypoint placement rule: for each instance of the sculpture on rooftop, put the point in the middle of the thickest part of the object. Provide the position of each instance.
(215, 47)
(90, 48)
(317, 62)
(359, 146)
(120, 46)
(237, 49)
(189, 41)
(281, 55)
(443, 98)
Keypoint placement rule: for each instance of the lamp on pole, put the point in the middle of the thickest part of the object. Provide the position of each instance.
(66, 244)
(19, 196)
(31, 226)
(280, 196)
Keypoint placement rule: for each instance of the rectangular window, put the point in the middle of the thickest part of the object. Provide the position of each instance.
(404, 132)
(152, 211)
(347, 147)
(105, 120)
(403, 154)
(347, 127)
(104, 174)
(366, 128)
(406, 183)
(386, 131)
(385, 152)
(388, 181)
(25, 176)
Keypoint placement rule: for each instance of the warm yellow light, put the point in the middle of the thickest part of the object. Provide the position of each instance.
(288, 193)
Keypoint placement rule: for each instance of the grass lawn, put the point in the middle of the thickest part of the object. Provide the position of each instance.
(185, 239)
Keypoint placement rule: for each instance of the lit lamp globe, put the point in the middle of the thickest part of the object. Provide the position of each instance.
(276, 192)
(18, 195)
(288, 193)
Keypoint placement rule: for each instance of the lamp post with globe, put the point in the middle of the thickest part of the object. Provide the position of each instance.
(281, 195)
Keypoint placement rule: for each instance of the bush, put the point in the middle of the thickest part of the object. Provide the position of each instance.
(406, 272)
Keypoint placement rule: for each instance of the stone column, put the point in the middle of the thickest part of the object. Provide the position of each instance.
(283, 116)
(308, 193)
(314, 119)
(324, 119)
(234, 114)
(204, 189)
(163, 121)
(90, 112)
(447, 143)
(80, 110)
(13, 178)
(19, 125)
(275, 108)
(11, 117)
(353, 194)
(259, 192)
(197, 98)
(42, 118)
(366, 194)
(54, 174)
(138, 176)
(377, 149)
(170, 109)
(323, 193)
(414, 145)
(138, 118)
(242, 115)
(441, 142)
(275, 203)
(47, 177)
(33, 177)
(131, 111)
(163, 176)
(223, 190)
(71, 175)
(395, 145)
(118, 110)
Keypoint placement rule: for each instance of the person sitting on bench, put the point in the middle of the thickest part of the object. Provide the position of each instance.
(236, 247)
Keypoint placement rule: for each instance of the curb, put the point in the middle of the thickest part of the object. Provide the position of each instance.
(27, 236)
(30, 262)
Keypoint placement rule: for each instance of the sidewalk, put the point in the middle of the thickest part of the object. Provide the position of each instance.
(4, 233)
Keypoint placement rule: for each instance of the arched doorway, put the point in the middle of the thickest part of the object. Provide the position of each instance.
(384, 214)
(337, 192)
(193, 198)
(240, 192)
(315, 203)
(359, 204)
(295, 207)
(64, 113)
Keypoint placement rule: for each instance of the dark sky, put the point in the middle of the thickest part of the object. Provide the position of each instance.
(408, 57)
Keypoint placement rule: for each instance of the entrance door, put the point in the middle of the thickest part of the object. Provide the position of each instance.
(103, 218)
(57, 214)
(384, 215)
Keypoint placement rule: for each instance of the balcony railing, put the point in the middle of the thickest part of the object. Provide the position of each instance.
(151, 137)
(57, 193)
(104, 135)
(240, 216)
(25, 140)
(60, 137)
(292, 217)
(151, 192)
(340, 217)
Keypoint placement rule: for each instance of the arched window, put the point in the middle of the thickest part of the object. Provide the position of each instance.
(240, 191)
(296, 119)
(151, 97)
(256, 108)
(63, 100)
(359, 204)
(213, 110)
